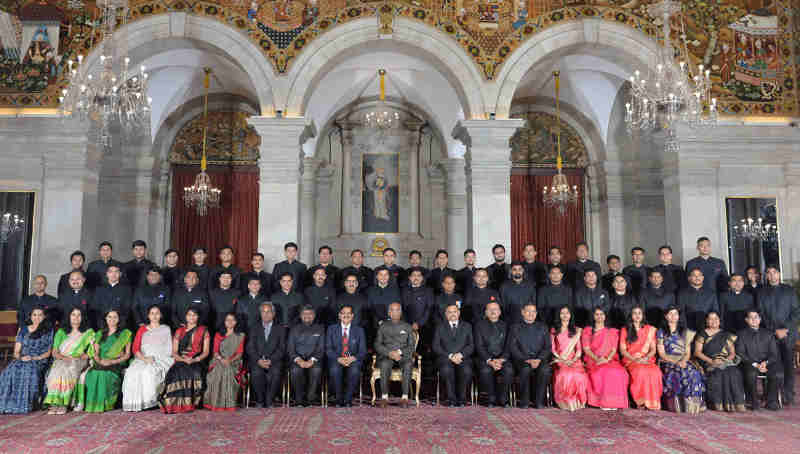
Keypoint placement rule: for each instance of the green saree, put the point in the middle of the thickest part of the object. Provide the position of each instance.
(99, 387)
(63, 376)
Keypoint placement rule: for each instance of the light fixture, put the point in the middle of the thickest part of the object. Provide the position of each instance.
(755, 230)
(559, 195)
(382, 117)
(9, 225)
(110, 95)
(672, 92)
(202, 195)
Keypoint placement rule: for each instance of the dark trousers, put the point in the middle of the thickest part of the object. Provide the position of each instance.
(541, 375)
(265, 382)
(338, 373)
(455, 374)
(786, 352)
(303, 390)
(774, 383)
(497, 393)
(386, 365)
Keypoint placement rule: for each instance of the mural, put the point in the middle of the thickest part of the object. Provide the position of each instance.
(535, 144)
(230, 140)
(379, 193)
(748, 44)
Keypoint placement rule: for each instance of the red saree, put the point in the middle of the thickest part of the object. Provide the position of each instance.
(609, 381)
(646, 385)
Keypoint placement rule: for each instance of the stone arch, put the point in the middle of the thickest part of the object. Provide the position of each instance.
(634, 47)
(309, 67)
(226, 39)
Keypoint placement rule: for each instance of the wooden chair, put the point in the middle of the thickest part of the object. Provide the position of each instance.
(8, 332)
(397, 374)
(797, 354)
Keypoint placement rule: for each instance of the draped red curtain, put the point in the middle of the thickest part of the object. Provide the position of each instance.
(234, 223)
(532, 222)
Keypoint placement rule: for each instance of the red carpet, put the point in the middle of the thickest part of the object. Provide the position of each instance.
(416, 430)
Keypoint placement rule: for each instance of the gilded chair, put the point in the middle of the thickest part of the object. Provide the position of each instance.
(397, 374)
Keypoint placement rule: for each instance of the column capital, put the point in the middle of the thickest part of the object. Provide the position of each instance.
(487, 136)
(289, 131)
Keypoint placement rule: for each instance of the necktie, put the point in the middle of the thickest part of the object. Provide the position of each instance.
(452, 328)
(344, 342)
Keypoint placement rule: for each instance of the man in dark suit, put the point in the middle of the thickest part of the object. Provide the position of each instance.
(77, 260)
(249, 304)
(346, 348)
(78, 296)
(530, 348)
(758, 350)
(439, 271)
(499, 270)
(39, 299)
(266, 347)
(582, 264)
(492, 355)
(453, 345)
(306, 349)
(190, 295)
(112, 295)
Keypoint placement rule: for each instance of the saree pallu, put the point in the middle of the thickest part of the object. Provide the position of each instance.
(684, 388)
(99, 386)
(724, 385)
(143, 380)
(224, 381)
(608, 381)
(183, 385)
(21, 382)
(63, 376)
(570, 383)
(646, 382)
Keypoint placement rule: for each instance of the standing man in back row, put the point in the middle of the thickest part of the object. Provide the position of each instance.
(714, 270)
(637, 271)
(292, 266)
(582, 264)
(499, 270)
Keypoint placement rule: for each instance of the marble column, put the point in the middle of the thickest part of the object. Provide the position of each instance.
(489, 159)
(307, 210)
(456, 191)
(279, 197)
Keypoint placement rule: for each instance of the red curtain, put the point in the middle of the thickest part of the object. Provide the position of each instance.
(532, 222)
(234, 223)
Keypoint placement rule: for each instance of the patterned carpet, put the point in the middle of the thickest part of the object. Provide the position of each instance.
(426, 429)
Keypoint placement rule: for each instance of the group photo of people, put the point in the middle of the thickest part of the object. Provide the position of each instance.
(532, 333)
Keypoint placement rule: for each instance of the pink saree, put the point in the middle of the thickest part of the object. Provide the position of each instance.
(609, 381)
(570, 383)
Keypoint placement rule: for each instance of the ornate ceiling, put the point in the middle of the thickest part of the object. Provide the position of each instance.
(750, 45)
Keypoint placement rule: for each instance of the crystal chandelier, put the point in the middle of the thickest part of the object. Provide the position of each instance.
(382, 118)
(673, 92)
(10, 224)
(109, 95)
(202, 195)
(559, 195)
(755, 230)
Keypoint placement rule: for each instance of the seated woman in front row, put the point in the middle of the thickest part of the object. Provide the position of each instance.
(20, 382)
(183, 386)
(608, 379)
(144, 378)
(637, 344)
(570, 382)
(70, 347)
(684, 385)
(715, 348)
(99, 386)
(226, 371)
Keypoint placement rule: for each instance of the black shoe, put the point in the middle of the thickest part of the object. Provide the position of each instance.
(445, 403)
(490, 405)
(459, 404)
(773, 407)
(266, 405)
(523, 406)
(339, 405)
(257, 404)
(506, 405)
(348, 405)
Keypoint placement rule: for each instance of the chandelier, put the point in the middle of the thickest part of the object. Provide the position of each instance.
(110, 95)
(755, 230)
(10, 224)
(672, 92)
(202, 195)
(383, 118)
(559, 195)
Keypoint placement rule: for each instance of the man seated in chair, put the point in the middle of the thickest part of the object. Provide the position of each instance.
(492, 356)
(530, 347)
(306, 348)
(452, 343)
(266, 346)
(345, 347)
(759, 352)
(395, 344)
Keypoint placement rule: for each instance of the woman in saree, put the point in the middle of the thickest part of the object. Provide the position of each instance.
(144, 378)
(99, 386)
(70, 350)
(684, 385)
(607, 377)
(714, 348)
(21, 381)
(226, 371)
(183, 385)
(637, 344)
(570, 382)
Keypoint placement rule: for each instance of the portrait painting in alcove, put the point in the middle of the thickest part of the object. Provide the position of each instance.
(379, 195)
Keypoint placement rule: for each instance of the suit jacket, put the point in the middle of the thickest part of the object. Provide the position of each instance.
(272, 348)
(356, 342)
(490, 340)
(445, 341)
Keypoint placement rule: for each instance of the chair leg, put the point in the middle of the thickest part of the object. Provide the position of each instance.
(417, 390)
(437, 388)
(372, 385)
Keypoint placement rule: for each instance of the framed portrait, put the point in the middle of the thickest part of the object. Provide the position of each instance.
(379, 192)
